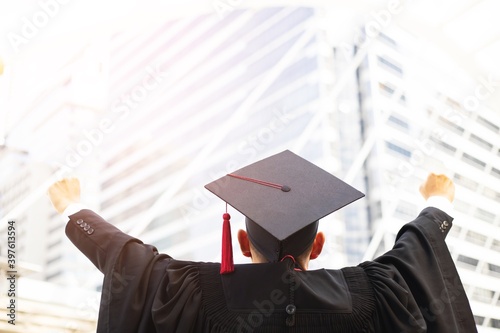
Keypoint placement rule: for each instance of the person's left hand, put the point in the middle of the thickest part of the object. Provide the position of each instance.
(64, 192)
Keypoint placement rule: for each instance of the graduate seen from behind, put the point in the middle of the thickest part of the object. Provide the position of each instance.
(414, 287)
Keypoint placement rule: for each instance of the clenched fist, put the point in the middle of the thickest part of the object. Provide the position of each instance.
(438, 185)
(64, 192)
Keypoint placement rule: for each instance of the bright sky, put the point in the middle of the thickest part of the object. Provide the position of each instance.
(40, 37)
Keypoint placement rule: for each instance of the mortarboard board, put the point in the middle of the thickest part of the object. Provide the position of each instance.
(283, 197)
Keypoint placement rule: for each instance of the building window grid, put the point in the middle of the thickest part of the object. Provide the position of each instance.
(386, 88)
(495, 172)
(398, 149)
(455, 231)
(479, 320)
(53, 275)
(491, 193)
(495, 245)
(482, 295)
(467, 262)
(480, 142)
(453, 103)
(384, 62)
(484, 215)
(56, 226)
(488, 124)
(492, 270)
(443, 146)
(494, 323)
(451, 125)
(400, 123)
(473, 161)
(462, 206)
(465, 182)
(388, 40)
(55, 243)
(54, 259)
(476, 238)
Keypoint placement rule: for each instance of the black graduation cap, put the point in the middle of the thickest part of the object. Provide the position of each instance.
(283, 197)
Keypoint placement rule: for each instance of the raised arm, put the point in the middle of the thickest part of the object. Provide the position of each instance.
(417, 279)
(97, 239)
(132, 270)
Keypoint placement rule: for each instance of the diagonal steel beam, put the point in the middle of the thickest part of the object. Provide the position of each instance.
(219, 136)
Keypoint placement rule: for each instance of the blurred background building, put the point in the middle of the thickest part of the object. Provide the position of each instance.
(149, 104)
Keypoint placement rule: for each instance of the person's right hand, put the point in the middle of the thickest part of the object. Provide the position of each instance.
(64, 192)
(438, 185)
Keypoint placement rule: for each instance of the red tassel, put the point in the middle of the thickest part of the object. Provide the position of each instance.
(227, 265)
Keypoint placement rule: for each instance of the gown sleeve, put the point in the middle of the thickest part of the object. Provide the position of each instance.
(133, 272)
(416, 284)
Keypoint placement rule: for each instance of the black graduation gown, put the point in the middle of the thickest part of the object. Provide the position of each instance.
(412, 288)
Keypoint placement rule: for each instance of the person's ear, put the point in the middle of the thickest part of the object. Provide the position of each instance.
(244, 243)
(317, 247)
